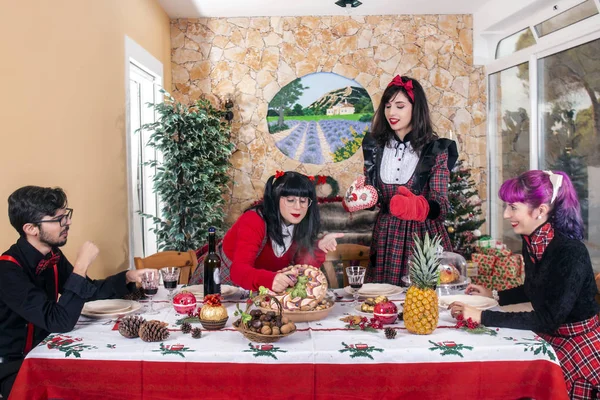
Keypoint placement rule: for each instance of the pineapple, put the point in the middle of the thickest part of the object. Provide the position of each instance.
(421, 304)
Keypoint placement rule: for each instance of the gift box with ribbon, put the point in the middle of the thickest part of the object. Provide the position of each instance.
(499, 268)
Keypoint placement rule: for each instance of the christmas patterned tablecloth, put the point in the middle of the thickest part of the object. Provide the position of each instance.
(321, 360)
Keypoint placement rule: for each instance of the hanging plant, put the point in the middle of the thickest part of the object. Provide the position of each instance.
(191, 175)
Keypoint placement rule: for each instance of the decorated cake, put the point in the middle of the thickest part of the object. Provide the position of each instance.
(308, 291)
(449, 273)
(453, 268)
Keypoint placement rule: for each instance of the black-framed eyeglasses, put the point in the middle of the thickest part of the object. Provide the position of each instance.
(60, 219)
(303, 202)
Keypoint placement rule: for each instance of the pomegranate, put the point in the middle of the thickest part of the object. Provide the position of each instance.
(184, 302)
(386, 312)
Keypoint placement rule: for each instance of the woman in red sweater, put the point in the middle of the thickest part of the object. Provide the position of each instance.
(279, 231)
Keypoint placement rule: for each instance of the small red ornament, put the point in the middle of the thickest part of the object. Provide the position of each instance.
(322, 179)
(386, 312)
(184, 302)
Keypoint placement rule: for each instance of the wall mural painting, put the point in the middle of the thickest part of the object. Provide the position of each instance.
(320, 118)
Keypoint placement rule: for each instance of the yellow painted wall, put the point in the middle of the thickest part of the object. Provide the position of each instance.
(62, 110)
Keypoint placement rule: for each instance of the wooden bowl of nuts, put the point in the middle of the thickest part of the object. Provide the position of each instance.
(321, 311)
(263, 326)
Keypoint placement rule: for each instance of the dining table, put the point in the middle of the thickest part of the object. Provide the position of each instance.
(322, 359)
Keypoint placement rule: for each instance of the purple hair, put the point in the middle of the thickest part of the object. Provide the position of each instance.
(534, 188)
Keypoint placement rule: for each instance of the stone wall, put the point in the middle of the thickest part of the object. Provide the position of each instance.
(251, 59)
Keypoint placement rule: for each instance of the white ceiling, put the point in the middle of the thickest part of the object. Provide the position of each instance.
(267, 8)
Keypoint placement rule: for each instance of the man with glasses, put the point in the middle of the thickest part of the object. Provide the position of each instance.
(33, 272)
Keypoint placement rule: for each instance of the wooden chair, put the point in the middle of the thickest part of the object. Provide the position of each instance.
(187, 261)
(349, 254)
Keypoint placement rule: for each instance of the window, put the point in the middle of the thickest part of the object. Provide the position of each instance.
(509, 111)
(569, 17)
(569, 87)
(544, 113)
(515, 42)
(143, 77)
(143, 90)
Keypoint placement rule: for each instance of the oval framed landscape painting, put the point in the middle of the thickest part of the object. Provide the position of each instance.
(320, 118)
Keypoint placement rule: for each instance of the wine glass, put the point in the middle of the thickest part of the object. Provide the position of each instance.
(170, 276)
(150, 281)
(356, 278)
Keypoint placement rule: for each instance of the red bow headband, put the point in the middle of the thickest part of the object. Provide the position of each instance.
(408, 86)
(279, 174)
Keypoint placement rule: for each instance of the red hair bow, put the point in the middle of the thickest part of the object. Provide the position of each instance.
(311, 178)
(279, 174)
(408, 86)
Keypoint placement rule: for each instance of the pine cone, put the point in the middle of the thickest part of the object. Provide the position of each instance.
(390, 333)
(136, 295)
(130, 326)
(153, 331)
(186, 327)
(196, 333)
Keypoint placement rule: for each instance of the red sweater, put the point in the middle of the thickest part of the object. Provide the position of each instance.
(251, 269)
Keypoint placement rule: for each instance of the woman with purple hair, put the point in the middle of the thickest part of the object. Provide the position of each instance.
(543, 208)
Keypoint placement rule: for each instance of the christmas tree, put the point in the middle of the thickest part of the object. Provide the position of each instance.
(464, 216)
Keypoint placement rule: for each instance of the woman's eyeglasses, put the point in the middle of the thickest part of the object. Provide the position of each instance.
(62, 219)
(304, 202)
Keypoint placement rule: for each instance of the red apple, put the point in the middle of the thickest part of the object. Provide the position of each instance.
(184, 302)
(386, 312)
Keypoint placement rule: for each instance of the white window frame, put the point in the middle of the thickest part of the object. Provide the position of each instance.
(555, 42)
(137, 57)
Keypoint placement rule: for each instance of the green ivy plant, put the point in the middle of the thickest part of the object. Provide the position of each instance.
(192, 175)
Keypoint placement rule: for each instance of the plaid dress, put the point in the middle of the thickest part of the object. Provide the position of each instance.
(391, 248)
(578, 348)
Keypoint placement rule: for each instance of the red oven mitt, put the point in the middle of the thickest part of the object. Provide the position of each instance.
(405, 205)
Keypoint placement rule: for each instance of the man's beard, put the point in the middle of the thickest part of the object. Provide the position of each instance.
(46, 239)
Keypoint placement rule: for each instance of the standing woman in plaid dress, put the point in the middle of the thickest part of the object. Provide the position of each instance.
(542, 207)
(409, 166)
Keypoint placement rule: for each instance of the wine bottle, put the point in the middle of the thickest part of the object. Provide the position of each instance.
(212, 266)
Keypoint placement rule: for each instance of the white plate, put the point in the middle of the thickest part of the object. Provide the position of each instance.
(135, 306)
(479, 302)
(198, 290)
(110, 306)
(376, 289)
(357, 308)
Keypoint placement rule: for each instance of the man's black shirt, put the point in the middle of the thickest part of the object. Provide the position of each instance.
(26, 297)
